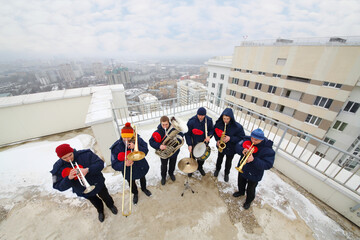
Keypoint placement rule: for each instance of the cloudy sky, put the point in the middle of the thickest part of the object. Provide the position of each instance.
(154, 28)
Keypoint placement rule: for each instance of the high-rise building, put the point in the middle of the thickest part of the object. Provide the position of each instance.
(310, 84)
(98, 71)
(149, 103)
(218, 76)
(189, 91)
(66, 72)
(119, 75)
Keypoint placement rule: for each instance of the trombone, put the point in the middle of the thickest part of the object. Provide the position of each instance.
(244, 158)
(135, 155)
(82, 178)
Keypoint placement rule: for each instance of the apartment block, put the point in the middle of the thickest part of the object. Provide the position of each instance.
(218, 75)
(312, 86)
(189, 91)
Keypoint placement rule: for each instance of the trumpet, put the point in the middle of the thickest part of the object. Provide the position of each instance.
(82, 179)
(135, 155)
(222, 144)
(252, 149)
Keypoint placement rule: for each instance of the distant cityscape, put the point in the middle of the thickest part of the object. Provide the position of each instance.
(159, 79)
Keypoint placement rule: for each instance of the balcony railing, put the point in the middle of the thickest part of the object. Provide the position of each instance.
(296, 145)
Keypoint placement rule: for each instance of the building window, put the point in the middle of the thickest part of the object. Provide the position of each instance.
(281, 61)
(222, 76)
(248, 71)
(276, 75)
(254, 99)
(351, 107)
(242, 96)
(272, 89)
(235, 81)
(323, 102)
(214, 75)
(329, 141)
(246, 83)
(261, 73)
(212, 94)
(340, 125)
(267, 104)
(313, 120)
(334, 85)
(213, 85)
(258, 86)
(232, 93)
(298, 79)
(237, 70)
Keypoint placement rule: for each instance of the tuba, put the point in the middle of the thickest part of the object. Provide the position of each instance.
(173, 141)
(222, 144)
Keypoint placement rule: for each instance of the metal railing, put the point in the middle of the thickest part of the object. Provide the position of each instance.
(292, 143)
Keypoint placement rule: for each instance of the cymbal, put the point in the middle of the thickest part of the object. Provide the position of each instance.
(188, 165)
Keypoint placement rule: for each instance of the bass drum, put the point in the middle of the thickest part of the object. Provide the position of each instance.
(201, 151)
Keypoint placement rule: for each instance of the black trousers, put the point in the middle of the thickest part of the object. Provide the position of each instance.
(200, 164)
(172, 164)
(228, 162)
(250, 188)
(103, 195)
(134, 189)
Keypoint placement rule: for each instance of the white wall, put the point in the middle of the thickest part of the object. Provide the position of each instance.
(26, 121)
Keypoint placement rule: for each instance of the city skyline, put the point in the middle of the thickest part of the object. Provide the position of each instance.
(162, 29)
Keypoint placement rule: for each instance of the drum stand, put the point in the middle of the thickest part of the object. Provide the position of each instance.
(187, 186)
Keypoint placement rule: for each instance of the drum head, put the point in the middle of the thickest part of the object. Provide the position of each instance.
(199, 150)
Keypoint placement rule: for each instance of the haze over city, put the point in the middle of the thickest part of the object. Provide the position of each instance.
(162, 29)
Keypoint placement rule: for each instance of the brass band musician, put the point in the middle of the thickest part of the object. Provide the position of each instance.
(197, 133)
(227, 133)
(167, 133)
(119, 158)
(259, 156)
(89, 165)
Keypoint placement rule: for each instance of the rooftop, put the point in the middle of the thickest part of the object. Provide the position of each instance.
(27, 198)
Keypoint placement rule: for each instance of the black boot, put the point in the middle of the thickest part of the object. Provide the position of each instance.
(216, 173)
(101, 216)
(172, 177)
(246, 205)
(163, 181)
(147, 192)
(226, 177)
(202, 172)
(238, 194)
(135, 199)
(114, 210)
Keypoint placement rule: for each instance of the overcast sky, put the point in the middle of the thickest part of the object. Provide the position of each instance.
(140, 28)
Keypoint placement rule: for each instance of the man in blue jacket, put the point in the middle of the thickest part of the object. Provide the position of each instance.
(262, 159)
(234, 133)
(139, 168)
(197, 133)
(65, 177)
(157, 142)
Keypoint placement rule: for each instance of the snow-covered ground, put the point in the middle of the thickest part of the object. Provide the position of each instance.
(28, 166)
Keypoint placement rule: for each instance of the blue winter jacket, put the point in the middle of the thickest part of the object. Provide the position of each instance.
(158, 136)
(87, 159)
(139, 168)
(233, 129)
(263, 159)
(196, 130)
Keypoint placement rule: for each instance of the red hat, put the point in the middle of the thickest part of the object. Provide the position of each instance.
(127, 131)
(63, 149)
